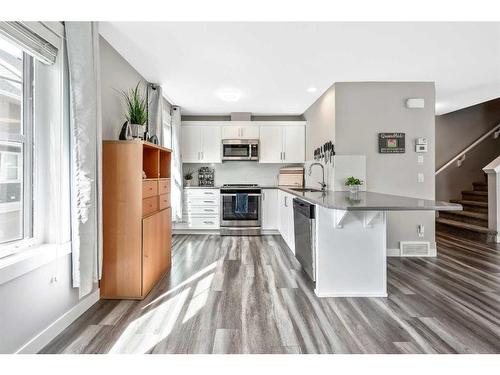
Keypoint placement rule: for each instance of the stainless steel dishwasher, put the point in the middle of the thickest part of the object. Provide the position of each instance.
(305, 235)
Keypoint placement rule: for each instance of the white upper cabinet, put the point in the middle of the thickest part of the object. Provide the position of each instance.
(191, 144)
(240, 132)
(294, 144)
(282, 144)
(211, 144)
(201, 144)
(270, 145)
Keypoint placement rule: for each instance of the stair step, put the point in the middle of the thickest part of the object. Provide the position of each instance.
(473, 206)
(480, 186)
(473, 195)
(469, 217)
(466, 226)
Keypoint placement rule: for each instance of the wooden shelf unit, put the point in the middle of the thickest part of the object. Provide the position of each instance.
(137, 218)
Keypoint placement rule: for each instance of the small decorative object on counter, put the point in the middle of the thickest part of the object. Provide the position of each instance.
(353, 184)
(153, 139)
(126, 132)
(188, 177)
(144, 176)
(136, 111)
(206, 176)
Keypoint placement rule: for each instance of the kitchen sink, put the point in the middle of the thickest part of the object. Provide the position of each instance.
(306, 190)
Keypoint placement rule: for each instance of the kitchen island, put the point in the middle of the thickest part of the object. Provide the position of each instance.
(350, 239)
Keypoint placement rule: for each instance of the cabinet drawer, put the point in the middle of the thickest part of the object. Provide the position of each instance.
(149, 205)
(164, 186)
(204, 210)
(206, 222)
(164, 201)
(200, 193)
(149, 188)
(202, 201)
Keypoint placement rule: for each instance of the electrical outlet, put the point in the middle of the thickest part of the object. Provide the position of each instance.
(420, 177)
(420, 159)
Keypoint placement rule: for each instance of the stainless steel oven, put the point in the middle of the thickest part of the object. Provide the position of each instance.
(234, 223)
(240, 149)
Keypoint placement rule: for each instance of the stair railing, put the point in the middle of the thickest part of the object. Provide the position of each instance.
(460, 157)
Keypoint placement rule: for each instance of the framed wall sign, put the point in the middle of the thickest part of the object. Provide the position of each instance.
(391, 143)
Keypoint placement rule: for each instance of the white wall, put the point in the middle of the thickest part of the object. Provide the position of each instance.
(362, 110)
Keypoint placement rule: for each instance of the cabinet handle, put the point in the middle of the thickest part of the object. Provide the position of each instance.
(208, 201)
(284, 155)
(208, 222)
(286, 201)
(208, 192)
(263, 196)
(202, 155)
(208, 210)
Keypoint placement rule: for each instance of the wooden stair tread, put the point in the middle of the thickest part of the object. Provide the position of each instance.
(470, 203)
(477, 215)
(480, 183)
(475, 192)
(459, 224)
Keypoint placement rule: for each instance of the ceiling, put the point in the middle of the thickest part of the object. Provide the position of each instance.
(271, 65)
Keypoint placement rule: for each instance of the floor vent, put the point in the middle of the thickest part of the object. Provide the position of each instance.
(414, 248)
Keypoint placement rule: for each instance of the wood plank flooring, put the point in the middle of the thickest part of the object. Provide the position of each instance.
(249, 295)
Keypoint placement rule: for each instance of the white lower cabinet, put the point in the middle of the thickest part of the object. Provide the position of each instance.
(286, 222)
(270, 215)
(201, 209)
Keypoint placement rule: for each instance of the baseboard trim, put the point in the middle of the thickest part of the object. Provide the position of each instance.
(397, 253)
(48, 334)
(327, 295)
(195, 231)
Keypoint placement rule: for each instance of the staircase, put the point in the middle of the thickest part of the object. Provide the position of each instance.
(472, 222)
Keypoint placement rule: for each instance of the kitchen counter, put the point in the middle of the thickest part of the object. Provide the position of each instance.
(369, 201)
(202, 187)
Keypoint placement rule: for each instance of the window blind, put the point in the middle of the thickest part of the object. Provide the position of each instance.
(34, 38)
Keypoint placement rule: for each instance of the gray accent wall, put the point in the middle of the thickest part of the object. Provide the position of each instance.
(353, 113)
(116, 75)
(457, 130)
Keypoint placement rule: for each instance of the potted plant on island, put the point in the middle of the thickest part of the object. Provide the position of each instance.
(188, 177)
(353, 184)
(137, 111)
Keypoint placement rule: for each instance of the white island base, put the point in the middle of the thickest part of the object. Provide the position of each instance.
(350, 253)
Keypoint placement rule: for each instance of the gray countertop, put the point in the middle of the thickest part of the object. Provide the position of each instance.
(368, 201)
(365, 200)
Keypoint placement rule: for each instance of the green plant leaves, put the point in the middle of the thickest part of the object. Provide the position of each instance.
(136, 105)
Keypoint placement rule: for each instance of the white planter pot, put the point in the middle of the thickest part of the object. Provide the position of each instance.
(138, 131)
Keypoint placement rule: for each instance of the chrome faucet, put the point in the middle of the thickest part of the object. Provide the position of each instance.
(323, 185)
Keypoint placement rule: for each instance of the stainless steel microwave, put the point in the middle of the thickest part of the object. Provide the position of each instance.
(240, 149)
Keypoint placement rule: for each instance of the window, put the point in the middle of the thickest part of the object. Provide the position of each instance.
(16, 133)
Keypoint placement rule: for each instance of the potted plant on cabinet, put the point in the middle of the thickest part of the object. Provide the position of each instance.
(137, 111)
(353, 184)
(188, 177)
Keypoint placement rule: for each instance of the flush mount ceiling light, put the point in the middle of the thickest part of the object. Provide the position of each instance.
(312, 89)
(229, 95)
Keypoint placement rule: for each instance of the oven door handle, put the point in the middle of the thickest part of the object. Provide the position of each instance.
(234, 195)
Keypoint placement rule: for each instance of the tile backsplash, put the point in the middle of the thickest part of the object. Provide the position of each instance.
(240, 172)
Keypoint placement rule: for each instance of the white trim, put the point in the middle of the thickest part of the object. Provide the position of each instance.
(393, 252)
(347, 294)
(28, 260)
(48, 334)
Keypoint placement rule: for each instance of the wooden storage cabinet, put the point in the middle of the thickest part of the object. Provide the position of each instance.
(137, 228)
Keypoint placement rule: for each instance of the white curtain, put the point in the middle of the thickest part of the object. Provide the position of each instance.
(82, 40)
(155, 111)
(176, 188)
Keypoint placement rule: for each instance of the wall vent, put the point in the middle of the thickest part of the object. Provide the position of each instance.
(414, 248)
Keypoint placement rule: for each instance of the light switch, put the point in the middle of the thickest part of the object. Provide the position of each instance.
(420, 159)
(420, 177)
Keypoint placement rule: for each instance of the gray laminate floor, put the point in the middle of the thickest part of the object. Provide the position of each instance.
(249, 295)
